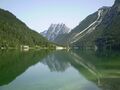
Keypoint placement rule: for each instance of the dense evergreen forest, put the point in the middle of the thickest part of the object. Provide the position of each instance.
(14, 33)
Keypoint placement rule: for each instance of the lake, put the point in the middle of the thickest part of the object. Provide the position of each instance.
(59, 70)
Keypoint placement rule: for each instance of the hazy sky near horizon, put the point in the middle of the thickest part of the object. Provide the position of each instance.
(39, 14)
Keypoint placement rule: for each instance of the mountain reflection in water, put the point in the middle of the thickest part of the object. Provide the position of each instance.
(100, 69)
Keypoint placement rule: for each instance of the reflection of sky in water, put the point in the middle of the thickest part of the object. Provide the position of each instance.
(39, 77)
(60, 70)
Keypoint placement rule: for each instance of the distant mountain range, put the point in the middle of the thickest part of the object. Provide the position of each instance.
(54, 31)
(100, 29)
(85, 27)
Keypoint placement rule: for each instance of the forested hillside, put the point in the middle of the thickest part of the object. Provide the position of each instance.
(14, 32)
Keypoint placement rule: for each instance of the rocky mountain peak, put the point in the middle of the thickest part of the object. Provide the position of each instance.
(104, 8)
(55, 30)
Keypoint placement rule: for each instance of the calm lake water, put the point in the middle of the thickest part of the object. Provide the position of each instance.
(59, 70)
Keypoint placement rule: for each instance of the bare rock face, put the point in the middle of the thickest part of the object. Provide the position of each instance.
(55, 30)
(117, 1)
(107, 31)
(117, 5)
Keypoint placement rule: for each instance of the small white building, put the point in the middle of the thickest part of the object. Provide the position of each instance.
(60, 48)
(25, 47)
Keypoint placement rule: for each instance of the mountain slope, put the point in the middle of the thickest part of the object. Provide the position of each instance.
(111, 28)
(54, 31)
(92, 26)
(14, 32)
(106, 34)
(85, 27)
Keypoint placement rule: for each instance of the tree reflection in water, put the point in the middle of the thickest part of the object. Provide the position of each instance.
(102, 68)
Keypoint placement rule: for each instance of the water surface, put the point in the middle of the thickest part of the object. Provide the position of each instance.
(59, 70)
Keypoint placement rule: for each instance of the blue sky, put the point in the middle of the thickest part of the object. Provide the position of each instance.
(39, 14)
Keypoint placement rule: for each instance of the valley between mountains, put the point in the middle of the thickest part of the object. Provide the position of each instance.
(100, 30)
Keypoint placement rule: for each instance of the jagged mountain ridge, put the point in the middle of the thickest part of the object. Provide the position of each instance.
(100, 29)
(86, 26)
(54, 31)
